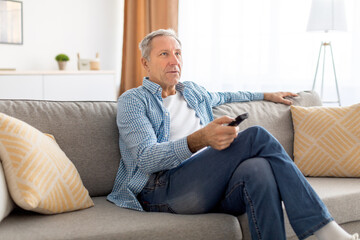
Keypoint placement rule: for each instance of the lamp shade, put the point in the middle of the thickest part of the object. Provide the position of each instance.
(327, 15)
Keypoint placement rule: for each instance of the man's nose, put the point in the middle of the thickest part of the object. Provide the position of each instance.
(174, 59)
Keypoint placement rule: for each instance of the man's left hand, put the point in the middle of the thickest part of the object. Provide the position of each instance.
(279, 97)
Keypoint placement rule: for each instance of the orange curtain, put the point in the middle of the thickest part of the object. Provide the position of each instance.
(141, 18)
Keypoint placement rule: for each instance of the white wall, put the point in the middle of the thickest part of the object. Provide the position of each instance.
(67, 26)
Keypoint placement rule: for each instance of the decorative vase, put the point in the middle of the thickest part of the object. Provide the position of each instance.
(62, 65)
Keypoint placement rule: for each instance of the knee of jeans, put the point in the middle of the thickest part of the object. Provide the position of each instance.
(256, 170)
(256, 129)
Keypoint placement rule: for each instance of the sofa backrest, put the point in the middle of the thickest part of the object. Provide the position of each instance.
(88, 134)
(274, 117)
(85, 131)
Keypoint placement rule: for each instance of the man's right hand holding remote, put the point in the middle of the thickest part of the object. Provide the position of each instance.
(216, 135)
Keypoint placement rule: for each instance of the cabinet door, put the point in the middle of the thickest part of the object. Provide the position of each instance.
(21, 87)
(84, 87)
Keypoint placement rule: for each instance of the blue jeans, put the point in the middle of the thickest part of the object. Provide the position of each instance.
(253, 175)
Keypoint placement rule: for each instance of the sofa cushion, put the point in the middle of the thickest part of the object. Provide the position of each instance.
(39, 175)
(85, 131)
(6, 203)
(107, 221)
(327, 140)
(340, 195)
(274, 117)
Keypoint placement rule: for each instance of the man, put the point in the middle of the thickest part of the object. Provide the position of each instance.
(177, 158)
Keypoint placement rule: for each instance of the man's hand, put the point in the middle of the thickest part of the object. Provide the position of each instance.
(279, 97)
(215, 134)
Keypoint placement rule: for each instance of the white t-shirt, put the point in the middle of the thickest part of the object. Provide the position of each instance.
(183, 120)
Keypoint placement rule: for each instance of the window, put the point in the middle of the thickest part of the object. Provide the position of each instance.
(11, 22)
(262, 45)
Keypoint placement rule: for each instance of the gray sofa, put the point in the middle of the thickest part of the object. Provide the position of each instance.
(88, 134)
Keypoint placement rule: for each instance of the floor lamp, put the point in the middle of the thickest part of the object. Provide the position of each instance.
(327, 15)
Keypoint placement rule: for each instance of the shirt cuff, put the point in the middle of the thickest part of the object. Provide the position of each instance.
(181, 149)
(258, 96)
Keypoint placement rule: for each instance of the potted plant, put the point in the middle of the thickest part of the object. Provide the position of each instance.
(62, 59)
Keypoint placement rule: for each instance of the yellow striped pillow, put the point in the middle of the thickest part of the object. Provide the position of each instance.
(327, 140)
(40, 177)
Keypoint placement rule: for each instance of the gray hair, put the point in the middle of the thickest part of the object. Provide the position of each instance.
(145, 44)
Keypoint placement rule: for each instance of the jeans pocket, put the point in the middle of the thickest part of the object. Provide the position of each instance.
(156, 180)
(153, 197)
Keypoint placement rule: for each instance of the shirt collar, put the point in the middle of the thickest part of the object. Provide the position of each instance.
(154, 88)
(180, 87)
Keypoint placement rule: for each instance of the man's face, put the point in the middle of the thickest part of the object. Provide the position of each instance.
(164, 65)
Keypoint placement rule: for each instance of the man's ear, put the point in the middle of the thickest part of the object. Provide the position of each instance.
(145, 64)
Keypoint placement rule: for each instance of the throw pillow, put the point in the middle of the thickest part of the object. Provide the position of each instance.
(6, 204)
(327, 140)
(40, 177)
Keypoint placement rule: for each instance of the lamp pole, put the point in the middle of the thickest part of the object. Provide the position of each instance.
(327, 15)
(324, 45)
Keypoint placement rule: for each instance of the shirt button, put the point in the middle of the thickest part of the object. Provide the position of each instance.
(165, 135)
(167, 114)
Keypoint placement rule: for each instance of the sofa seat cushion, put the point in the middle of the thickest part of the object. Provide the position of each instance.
(340, 195)
(107, 221)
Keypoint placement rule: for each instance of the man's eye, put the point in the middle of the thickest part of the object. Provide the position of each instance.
(163, 54)
(178, 53)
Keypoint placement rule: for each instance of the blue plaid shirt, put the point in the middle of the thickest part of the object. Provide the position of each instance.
(144, 128)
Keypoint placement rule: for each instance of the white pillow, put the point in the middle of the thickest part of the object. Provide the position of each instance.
(6, 203)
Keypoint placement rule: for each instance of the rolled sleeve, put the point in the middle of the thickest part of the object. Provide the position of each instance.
(181, 149)
(258, 96)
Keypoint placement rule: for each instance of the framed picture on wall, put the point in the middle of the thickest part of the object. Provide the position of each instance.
(11, 22)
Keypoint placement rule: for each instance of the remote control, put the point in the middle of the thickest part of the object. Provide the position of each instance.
(239, 119)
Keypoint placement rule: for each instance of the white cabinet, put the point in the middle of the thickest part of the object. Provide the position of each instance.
(80, 87)
(21, 87)
(58, 85)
